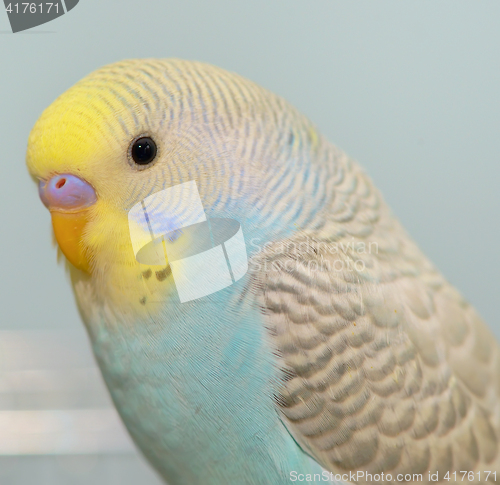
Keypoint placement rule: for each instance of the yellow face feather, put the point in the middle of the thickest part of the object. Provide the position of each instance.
(209, 125)
(86, 132)
(74, 136)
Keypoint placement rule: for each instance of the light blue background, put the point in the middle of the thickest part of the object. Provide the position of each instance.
(409, 89)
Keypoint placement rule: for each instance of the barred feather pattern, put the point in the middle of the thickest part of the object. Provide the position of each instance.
(386, 367)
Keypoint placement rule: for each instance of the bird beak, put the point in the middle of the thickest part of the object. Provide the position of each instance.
(69, 199)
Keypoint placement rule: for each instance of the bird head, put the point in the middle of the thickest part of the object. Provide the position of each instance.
(134, 128)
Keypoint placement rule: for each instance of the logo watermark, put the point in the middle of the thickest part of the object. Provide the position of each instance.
(205, 255)
(26, 15)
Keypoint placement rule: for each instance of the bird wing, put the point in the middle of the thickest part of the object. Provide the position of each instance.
(386, 368)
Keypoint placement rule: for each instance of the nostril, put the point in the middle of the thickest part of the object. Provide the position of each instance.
(66, 192)
(60, 183)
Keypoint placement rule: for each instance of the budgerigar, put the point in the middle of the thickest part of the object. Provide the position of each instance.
(340, 349)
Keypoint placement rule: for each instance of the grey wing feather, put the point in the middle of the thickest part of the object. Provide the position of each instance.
(387, 368)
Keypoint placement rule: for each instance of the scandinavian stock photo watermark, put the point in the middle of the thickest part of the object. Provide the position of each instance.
(312, 255)
(360, 475)
(206, 255)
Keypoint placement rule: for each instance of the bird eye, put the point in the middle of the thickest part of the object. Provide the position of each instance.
(143, 150)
